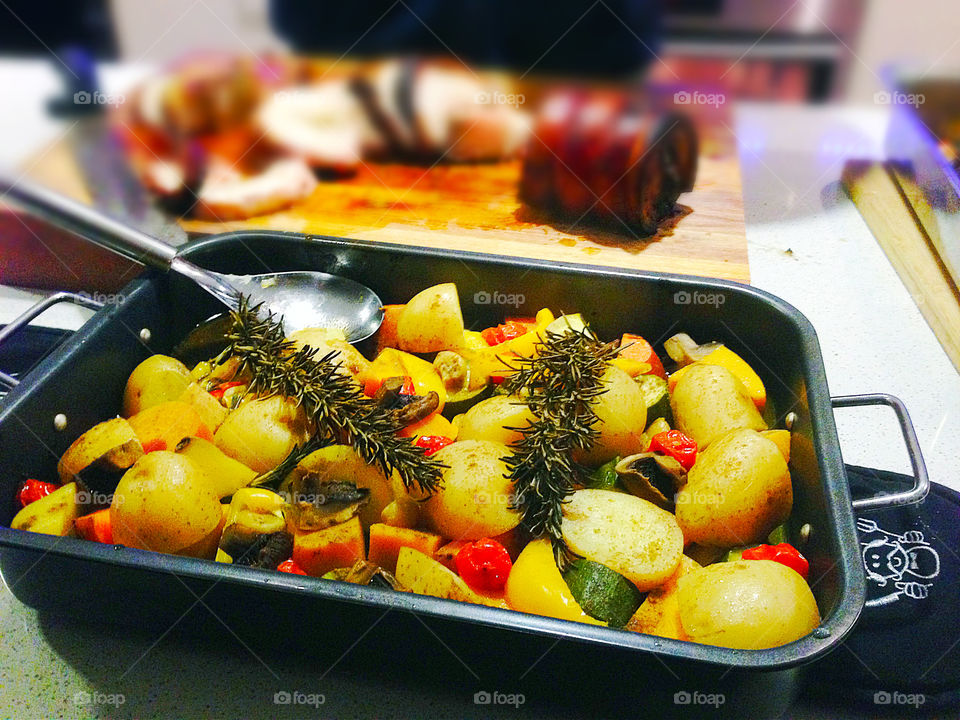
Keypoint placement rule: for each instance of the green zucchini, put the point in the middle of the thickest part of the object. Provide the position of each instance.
(603, 593)
(657, 396)
(463, 400)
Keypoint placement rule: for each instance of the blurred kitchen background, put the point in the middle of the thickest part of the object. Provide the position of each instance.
(812, 50)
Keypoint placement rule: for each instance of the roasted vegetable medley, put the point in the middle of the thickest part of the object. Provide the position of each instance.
(531, 466)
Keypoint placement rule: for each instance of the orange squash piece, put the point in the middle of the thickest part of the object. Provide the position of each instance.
(386, 541)
(320, 551)
(162, 426)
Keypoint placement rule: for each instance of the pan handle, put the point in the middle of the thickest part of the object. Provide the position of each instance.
(921, 484)
(16, 324)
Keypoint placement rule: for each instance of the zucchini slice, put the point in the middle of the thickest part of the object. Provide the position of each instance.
(603, 593)
(657, 396)
(463, 400)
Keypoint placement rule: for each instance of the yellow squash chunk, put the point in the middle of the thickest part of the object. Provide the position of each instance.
(53, 514)
(320, 551)
(224, 474)
(536, 586)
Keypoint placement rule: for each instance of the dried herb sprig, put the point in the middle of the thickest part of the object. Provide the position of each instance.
(331, 400)
(560, 383)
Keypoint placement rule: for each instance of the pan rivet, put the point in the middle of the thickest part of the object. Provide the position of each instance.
(789, 420)
(821, 632)
(805, 531)
(145, 335)
(60, 421)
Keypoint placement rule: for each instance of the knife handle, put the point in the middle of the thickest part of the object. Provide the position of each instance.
(88, 223)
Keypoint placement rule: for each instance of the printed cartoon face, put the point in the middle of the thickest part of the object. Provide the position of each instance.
(884, 560)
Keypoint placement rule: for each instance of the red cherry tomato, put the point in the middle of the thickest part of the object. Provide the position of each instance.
(674, 443)
(220, 389)
(784, 553)
(289, 566)
(32, 490)
(484, 565)
(432, 443)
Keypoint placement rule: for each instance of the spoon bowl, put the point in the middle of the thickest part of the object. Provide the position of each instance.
(303, 298)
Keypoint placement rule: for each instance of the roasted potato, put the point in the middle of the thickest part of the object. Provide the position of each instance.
(261, 433)
(53, 514)
(627, 534)
(749, 604)
(622, 413)
(657, 615)
(164, 503)
(107, 450)
(431, 321)
(491, 419)
(708, 402)
(737, 491)
(475, 499)
(342, 463)
(157, 379)
(325, 341)
(224, 474)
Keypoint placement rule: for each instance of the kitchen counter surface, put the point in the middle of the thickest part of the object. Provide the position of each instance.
(807, 244)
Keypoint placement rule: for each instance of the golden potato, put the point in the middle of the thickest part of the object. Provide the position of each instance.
(261, 433)
(109, 447)
(749, 604)
(490, 419)
(327, 340)
(655, 615)
(53, 514)
(164, 503)
(737, 491)
(708, 402)
(157, 379)
(627, 534)
(341, 463)
(431, 321)
(476, 495)
(622, 413)
(224, 474)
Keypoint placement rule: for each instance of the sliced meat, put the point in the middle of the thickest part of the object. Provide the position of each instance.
(380, 88)
(228, 195)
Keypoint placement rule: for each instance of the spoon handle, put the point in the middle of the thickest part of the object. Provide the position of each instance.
(83, 220)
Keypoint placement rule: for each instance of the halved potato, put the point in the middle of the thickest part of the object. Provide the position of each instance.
(492, 419)
(53, 514)
(622, 414)
(627, 534)
(708, 402)
(108, 448)
(157, 379)
(261, 433)
(431, 321)
(750, 604)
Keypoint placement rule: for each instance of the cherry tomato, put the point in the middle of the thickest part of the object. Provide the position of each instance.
(289, 566)
(674, 443)
(432, 443)
(220, 389)
(32, 490)
(484, 565)
(784, 553)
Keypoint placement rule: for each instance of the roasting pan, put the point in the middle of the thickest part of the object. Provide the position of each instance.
(84, 377)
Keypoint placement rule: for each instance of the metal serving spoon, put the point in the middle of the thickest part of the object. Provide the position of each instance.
(304, 299)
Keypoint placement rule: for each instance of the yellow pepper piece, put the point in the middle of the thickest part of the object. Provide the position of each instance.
(473, 340)
(536, 586)
(632, 367)
(738, 367)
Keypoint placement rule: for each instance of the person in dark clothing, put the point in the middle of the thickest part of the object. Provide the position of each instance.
(612, 38)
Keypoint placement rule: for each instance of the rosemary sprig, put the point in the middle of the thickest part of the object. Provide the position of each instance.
(331, 400)
(560, 383)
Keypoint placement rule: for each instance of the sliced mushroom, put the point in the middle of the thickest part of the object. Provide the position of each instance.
(453, 369)
(318, 505)
(683, 350)
(364, 572)
(266, 551)
(418, 409)
(652, 477)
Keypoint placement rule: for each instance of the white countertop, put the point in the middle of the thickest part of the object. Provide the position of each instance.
(807, 244)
